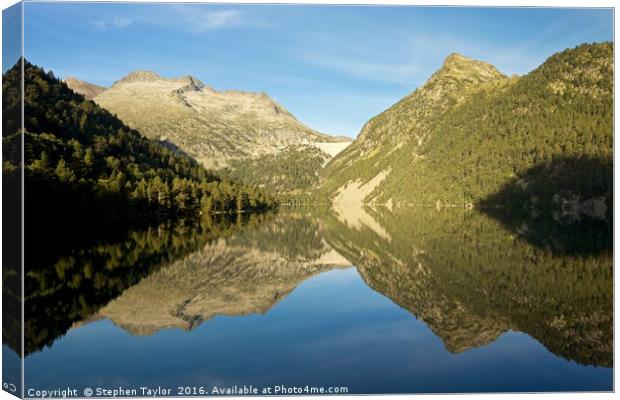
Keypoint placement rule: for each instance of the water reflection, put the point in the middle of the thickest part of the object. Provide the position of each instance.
(243, 274)
(470, 280)
(461, 274)
(68, 289)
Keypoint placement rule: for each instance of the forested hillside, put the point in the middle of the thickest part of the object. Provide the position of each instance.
(293, 171)
(466, 139)
(83, 165)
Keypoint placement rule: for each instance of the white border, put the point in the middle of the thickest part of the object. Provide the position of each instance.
(483, 3)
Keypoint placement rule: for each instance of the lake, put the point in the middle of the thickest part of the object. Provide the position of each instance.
(394, 302)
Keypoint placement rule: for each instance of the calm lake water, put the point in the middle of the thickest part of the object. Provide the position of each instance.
(383, 303)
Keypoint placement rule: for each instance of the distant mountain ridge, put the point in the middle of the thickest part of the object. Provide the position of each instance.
(86, 89)
(214, 127)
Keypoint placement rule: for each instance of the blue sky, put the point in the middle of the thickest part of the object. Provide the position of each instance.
(334, 67)
(11, 36)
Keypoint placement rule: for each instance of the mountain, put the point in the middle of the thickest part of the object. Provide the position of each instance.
(88, 90)
(84, 167)
(470, 131)
(170, 275)
(214, 127)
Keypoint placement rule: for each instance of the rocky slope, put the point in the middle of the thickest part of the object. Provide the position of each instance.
(214, 127)
(88, 90)
(408, 123)
(470, 130)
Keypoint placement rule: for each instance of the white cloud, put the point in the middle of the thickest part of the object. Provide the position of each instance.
(114, 23)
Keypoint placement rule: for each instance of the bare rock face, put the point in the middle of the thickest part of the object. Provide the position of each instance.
(88, 90)
(460, 67)
(139, 76)
(214, 127)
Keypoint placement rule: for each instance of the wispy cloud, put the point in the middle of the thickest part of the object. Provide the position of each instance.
(185, 17)
(354, 59)
(197, 19)
(104, 24)
(210, 20)
(368, 69)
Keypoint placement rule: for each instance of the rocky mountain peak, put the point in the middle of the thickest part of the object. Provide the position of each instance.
(191, 84)
(273, 105)
(459, 67)
(455, 58)
(140, 76)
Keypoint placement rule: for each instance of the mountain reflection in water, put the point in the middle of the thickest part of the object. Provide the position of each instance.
(461, 274)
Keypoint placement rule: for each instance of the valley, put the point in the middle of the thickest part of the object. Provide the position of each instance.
(456, 141)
